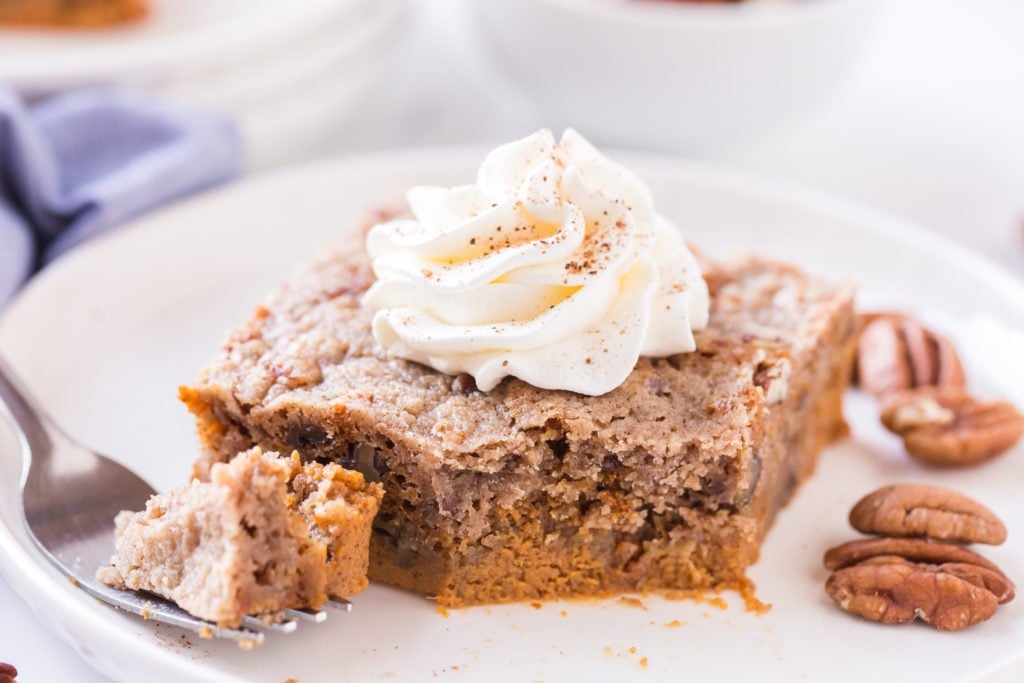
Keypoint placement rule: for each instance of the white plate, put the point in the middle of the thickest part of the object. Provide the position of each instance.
(107, 333)
(178, 38)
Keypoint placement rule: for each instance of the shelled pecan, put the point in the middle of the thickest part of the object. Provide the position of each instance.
(899, 592)
(895, 352)
(946, 427)
(928, 511)
(913, 549)
(898, 578)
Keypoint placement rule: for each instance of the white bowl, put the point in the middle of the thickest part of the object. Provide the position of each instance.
(665, 75)
(339, 50)
(313, 102)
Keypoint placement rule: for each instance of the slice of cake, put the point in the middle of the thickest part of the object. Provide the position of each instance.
(264, 533)
(668, 482)
(662, 469)
(71, 13)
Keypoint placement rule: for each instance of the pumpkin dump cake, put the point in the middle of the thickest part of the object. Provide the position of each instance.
(645, 440)
(263, 534)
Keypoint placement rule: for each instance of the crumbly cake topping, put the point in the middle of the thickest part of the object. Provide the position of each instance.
(310, 347)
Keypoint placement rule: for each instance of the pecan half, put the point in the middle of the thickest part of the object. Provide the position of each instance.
(928, 511)
(899, 592)
(948, 428)
(913, 549)
(7, 673)
(896, 352)
(993, 581)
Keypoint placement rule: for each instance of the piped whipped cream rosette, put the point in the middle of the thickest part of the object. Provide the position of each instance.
(554, 268)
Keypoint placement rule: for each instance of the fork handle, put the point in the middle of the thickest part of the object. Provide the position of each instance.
(19, 408)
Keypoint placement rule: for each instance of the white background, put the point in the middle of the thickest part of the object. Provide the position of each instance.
(931, 127)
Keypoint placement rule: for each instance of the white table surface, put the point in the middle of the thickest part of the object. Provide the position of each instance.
(929, 128)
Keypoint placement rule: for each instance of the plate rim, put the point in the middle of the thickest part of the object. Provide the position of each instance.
(21, 568)
(428, 157)
(166, 57)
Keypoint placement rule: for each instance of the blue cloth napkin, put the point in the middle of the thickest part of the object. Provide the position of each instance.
(76, 165)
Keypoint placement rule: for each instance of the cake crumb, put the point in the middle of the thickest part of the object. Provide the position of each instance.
(747, 590)
(536, 605)
(701, 596)
(609, 652)
(630, 601)
(245, 644)
(675, 623)
(716, 601)
(564, 614)
(443, 611)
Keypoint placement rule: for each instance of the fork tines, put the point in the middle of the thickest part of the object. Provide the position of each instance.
(253, 626)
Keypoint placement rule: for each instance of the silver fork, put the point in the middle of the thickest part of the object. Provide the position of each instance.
(70, 496)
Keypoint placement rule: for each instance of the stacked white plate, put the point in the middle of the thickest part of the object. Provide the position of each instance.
(291, 73)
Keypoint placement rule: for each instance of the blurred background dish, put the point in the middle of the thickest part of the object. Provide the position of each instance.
(290, 74)
(60, 13)
(178, 39)
(294, 105)
(689, 77)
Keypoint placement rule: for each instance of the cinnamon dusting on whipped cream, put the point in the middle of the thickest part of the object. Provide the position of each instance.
(553, 267)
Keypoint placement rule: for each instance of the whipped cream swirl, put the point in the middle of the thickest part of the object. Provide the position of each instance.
(553, 268)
